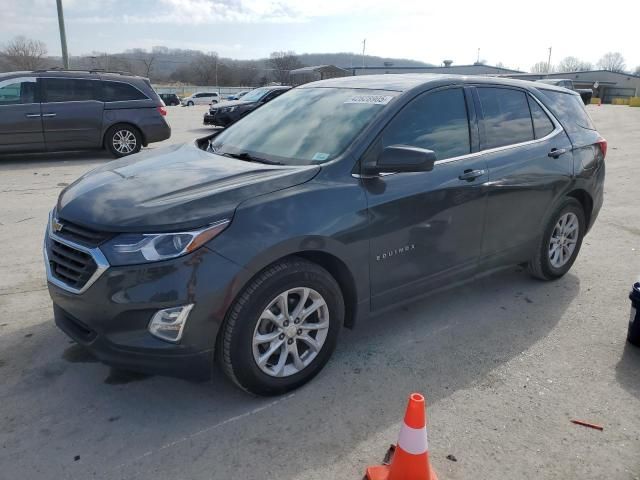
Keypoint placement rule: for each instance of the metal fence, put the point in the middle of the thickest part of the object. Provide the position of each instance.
(186, 90)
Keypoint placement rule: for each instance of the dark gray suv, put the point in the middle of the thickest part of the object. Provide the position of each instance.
(335, 201)
(74, 110)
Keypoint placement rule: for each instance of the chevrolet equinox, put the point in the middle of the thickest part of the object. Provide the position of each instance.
(336, 200)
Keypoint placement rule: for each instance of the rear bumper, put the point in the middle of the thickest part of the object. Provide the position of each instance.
(156, 132)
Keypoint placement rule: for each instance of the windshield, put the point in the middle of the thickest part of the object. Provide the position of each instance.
(303, 126)
(255, 95)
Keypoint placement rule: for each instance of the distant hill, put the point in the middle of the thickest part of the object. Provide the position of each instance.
(348, 60)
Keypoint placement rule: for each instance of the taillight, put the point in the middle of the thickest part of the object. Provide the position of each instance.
(163, 112)
(603, 146)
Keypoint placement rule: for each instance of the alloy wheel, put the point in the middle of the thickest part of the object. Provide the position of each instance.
(564, 239)
(290, 332)
(124, 141)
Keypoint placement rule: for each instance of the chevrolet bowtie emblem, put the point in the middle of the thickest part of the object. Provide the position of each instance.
(56, 225)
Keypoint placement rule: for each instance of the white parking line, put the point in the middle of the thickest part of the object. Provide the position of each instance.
(205, 430)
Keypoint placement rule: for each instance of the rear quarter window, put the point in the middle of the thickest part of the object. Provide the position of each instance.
(569, 108)
(120, 92)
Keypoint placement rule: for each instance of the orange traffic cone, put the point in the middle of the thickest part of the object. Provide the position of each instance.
(410, 458)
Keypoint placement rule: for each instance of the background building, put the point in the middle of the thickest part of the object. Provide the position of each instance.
(605, 84)
(475, 69)
(318, 72)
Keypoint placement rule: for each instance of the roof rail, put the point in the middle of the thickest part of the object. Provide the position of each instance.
(88, 70)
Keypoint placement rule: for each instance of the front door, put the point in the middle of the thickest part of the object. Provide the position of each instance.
(426, 228)
(71, 113)
(20, 119)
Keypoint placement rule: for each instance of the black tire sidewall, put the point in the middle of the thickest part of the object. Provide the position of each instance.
(112, 131)
(246, 371)
(570, 205)
(633, 333)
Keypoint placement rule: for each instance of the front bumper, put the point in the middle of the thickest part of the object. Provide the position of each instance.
(111, 317)
(218, 119)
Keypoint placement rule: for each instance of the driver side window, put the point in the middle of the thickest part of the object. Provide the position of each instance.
(435, 121)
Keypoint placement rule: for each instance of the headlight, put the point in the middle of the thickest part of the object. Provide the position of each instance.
(228, 109)
(132, 248)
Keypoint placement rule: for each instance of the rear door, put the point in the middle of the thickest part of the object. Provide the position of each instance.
(20, 119)
(71, 113)
(530, 166)
(426, 227)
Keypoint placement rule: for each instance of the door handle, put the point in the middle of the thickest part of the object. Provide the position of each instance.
(471, 175)
(556, 152)
(32, 115)
(48, 114)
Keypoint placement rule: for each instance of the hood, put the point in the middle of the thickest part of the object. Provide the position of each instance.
(231, 103)
(169, 189)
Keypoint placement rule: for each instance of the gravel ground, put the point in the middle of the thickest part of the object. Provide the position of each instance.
(505, 362)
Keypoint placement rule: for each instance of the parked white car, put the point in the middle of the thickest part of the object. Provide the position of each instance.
(200, 98)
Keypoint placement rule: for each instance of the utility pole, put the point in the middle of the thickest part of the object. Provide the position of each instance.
(364, 44)
(63, 36)
(549, 62)
(478, 60)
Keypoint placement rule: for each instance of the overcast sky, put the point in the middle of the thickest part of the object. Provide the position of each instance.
(517, 34)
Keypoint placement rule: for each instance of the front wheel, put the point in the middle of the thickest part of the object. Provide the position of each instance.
(282, 328)
(560, 243)
(189, 104)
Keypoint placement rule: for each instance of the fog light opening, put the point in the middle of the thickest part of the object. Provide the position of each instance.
(168, 324)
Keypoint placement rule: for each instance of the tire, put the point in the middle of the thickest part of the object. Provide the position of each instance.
(255, 314)
(546, 265)
(633, 334)
(123, 140)
(189, 104)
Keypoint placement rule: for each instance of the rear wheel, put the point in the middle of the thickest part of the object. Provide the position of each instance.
(282, 328)
(561, 241)
(123, 140)
(189, 104)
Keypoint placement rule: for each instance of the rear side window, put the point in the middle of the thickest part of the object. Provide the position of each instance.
(507, 120)
(570, 109)
(69, 89)
(120, 92)
(542, 124)
(436, 121)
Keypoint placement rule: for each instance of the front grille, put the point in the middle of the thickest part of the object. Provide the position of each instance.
(82, 235)
(69, 265)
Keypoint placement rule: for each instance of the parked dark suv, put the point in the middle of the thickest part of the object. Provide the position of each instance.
(74, 110)
(226, 113)
(335, 201)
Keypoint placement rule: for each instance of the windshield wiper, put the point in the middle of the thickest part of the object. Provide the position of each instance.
(247, 157)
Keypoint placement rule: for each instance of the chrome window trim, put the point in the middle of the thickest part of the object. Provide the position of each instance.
(101, 261)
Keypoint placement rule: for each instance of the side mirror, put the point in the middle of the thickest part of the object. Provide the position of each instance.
(403, 158)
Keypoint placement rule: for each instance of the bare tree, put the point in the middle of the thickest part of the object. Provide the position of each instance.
(542, 67)
(612, 61)
(282, 63)
(205, 68)
(148, 61)
(24, 53)
(573, 64)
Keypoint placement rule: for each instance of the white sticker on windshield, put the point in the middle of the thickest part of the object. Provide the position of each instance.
(320, 156)
(370, 99)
